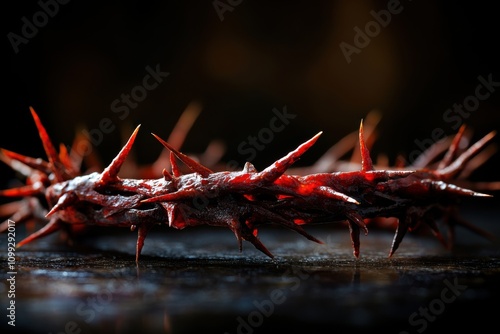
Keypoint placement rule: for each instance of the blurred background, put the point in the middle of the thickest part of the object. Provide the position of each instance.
(239, 60)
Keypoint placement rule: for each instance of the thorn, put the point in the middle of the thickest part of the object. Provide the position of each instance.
(24, 191)
(398, 236)
(63, 202)
(52, 226)
(266, 214)
(175, 215)
(366, 160)
(271, 173)
(236, 227)
(142, 231)
(477, 161)
(176, 172)
(456, 190)
(184, 124)
(110, 174)
(329, 192)
(193, 165)
(457, 221)
(450, 154)
(178, 134)
(49, 148)
(249, 168)
(435, 230)
(37, 164)
(354, 232)
(241, 231)
(459, 164)
(258, 244)
(166, 175)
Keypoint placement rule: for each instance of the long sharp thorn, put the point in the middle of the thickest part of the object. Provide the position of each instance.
(51, 227)
(267, 214)
(354, 232)
(178, 135)
(38, 164)
(271, 173)
(50, 150)
(236, 227)
(259, 245)
(176, 172)
(452, 151)
(477, 161)
(192, 164)
(435, 230)
(479, 231)
(63, 202)
(110, 174)
(398, 236)
(184, 124)
(303, 232)
(366, 160)
(142, 232)
(456, 190)
(459, 164)
(23, 191)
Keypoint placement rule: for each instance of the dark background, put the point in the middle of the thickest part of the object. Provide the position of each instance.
(262, 55)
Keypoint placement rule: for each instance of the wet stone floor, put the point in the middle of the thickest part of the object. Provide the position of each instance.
(197, 281)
